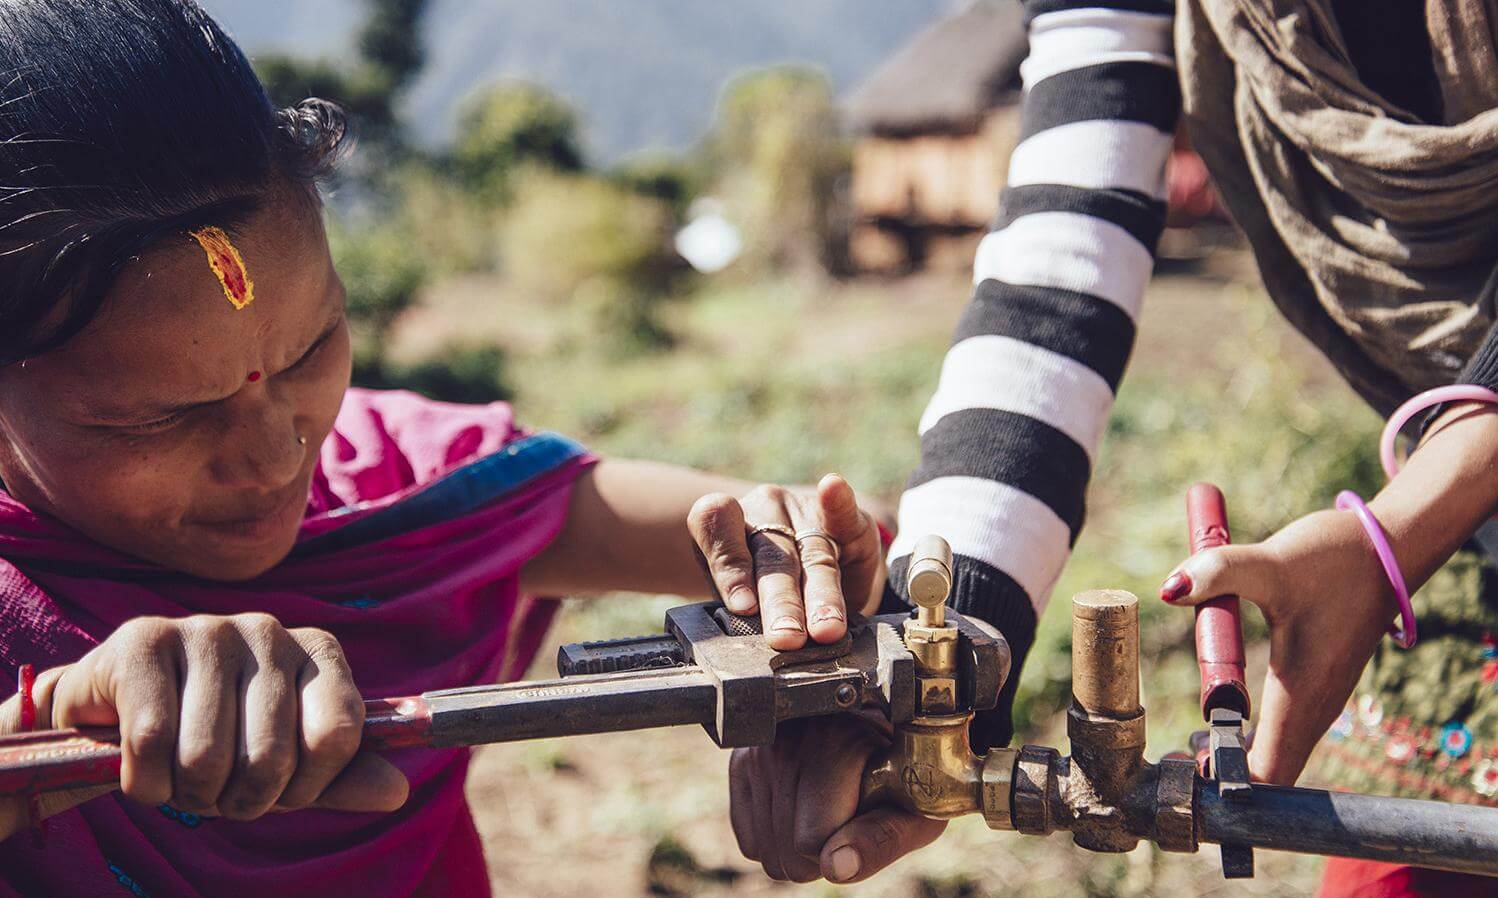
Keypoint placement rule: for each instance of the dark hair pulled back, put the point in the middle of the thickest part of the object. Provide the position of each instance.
(122, 121)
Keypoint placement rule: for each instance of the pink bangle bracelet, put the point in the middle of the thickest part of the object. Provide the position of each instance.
(1427, 400)
(1404, 633)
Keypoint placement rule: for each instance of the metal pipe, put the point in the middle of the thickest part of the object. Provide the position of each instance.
(1463, 838)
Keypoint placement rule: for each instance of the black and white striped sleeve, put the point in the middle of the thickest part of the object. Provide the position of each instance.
(1009, 439)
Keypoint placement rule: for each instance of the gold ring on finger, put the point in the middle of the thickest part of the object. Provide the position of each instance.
(814, 533)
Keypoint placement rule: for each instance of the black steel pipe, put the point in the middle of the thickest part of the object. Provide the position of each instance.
(1435, 834)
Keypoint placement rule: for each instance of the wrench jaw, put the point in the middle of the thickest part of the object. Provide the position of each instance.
(755, 687)
(1228, 759)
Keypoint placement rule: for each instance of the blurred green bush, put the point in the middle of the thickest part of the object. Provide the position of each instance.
(673, 179)
(589, 242)
(384, 278)
(508, 128)
(457, 373)
(513, 197)
(777, 154)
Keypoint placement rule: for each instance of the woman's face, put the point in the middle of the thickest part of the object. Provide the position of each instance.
(176, 427)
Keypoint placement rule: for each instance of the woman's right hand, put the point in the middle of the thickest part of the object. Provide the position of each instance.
(218, 716)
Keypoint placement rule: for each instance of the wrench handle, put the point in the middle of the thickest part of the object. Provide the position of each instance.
(60, 760)
(1219, 634)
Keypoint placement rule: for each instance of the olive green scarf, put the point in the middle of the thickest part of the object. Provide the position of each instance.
(1376, 233)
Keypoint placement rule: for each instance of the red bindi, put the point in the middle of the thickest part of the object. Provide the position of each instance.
(254, 376)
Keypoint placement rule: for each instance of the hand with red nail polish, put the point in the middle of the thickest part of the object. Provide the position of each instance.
(1176, 587)
(1327, 603)
(801, 559)
(1323, 590)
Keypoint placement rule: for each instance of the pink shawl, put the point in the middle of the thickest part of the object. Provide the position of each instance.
(420, 519)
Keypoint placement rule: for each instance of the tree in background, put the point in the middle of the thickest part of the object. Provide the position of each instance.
(390, 45)
(390, 55)
(382, 269)
(588, 241)
(383, 277)
(777, 151)
(509, 127)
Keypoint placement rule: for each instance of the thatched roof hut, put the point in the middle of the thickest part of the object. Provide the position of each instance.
(935, 125)
(948, 78)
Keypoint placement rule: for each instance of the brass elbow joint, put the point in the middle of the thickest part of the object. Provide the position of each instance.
(931, 770)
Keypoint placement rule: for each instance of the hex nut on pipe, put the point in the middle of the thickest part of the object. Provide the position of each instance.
(1175, 805)
(998, 787)
(1034, 784)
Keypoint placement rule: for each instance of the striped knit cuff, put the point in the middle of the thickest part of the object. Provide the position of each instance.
(1482, 368)
(985, 593)
(1481, 371)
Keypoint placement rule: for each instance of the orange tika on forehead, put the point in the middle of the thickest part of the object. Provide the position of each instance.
(227, 264)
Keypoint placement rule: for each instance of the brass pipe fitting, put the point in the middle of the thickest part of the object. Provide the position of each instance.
(1105, 721)
(930, 579)
(1105, 793)
(1105, 653)
(930, 768)
(1109, 798)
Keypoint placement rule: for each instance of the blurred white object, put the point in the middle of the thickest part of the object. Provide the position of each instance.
(709, 242)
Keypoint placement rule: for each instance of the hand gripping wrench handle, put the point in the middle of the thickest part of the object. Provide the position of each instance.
(1219, 635)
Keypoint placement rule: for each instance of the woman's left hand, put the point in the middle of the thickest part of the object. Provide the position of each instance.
(801, 559)
(1327, 603)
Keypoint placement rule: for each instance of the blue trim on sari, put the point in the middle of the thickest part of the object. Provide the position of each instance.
(458, 493)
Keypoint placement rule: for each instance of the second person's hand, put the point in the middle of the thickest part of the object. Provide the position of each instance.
(801, 560)
(1327, 604)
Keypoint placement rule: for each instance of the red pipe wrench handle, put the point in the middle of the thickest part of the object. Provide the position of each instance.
(1219, 635)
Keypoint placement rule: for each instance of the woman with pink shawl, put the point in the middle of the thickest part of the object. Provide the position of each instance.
(209, 541)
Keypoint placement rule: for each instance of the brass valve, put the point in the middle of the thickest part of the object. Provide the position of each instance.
(930, 580)
(930, 637)
(931, 768)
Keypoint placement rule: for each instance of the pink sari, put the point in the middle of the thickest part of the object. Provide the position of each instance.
(420, 519)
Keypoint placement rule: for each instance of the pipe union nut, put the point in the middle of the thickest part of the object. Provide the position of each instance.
(998, 787)
(1034, 785)
(1175, 805)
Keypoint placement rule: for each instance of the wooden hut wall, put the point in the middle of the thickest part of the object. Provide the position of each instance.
(945, 180)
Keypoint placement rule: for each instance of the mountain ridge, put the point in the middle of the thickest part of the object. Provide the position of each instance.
(645, 74)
